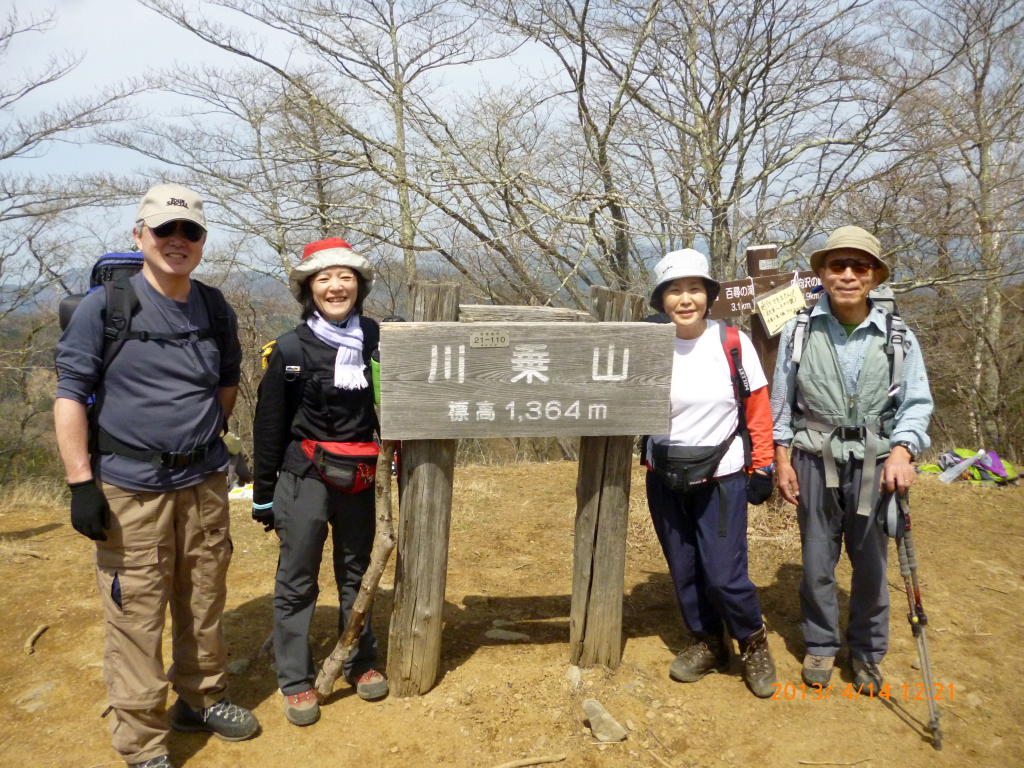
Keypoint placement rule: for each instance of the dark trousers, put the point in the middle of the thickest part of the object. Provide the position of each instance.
(303, 509)
(828, 518)
(709, 570)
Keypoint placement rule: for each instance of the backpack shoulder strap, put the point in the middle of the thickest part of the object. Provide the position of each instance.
(290, 347)
(734, 354)
(217, 313)
(799, 339)
(122, 303)
(295, 373)
(896, 348)
(740, 385)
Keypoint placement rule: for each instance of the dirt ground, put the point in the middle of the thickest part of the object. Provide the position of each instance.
(496, 700)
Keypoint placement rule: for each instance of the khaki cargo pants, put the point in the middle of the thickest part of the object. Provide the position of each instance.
(162, 548)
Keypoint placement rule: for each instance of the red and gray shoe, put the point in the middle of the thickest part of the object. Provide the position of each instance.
(302, 708)
(371, 685)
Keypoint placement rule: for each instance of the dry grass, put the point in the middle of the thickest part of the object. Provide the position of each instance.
(32, 494)
(775, 519)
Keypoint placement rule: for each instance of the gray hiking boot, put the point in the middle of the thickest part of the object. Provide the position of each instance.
(224, 720)
(160, 761)
(867, 674)
(707, 653)
(758, 665)
(817, 669)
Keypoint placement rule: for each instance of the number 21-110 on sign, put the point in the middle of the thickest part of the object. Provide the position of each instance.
(552, 410)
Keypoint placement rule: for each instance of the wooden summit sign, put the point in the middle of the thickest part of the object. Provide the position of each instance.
(459, 380)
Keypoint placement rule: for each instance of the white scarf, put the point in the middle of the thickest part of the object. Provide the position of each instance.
(348, 340)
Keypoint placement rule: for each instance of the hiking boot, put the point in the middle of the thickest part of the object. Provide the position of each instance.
(371, 685)
(758, 666)
(707, 653)
(302, 708)
(817, 669)
(160, 761)
(865, 674)
(224, 720)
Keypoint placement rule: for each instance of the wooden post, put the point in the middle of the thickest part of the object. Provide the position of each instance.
(763, 261)
(602, 511)
(425, 508)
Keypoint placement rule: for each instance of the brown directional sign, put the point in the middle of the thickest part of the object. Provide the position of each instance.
(737, 296)
(454, 380)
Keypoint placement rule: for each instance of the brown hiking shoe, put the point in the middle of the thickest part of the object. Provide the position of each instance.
(758, 666)
(707, 653)
(817, 670)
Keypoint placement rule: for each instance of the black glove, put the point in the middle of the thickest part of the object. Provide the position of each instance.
(759, 487)
(90, 512)
(265, 517)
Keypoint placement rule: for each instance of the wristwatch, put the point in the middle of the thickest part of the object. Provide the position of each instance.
(909, 448)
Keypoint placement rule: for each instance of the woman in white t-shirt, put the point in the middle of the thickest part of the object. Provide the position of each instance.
(700, 473)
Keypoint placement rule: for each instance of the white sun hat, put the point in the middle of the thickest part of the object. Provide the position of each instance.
(684, 263)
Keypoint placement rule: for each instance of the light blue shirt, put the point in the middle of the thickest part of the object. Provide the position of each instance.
(914, 399)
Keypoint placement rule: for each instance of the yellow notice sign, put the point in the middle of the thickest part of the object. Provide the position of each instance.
(778, 307)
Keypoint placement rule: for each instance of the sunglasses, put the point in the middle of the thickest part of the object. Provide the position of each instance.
(189, 229)
(839, 266)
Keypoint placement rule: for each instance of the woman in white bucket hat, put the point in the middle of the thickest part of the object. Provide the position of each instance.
(700, 473)
(314, 464)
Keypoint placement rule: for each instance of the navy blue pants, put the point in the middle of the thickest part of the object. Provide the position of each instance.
(709, 570)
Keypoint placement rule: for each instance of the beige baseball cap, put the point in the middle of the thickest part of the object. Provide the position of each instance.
(170, 202)
(851, 237)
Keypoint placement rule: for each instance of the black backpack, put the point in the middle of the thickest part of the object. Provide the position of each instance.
(113, 272)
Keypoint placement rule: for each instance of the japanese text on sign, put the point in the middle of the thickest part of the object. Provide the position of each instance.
(779, 307)
(444, 380)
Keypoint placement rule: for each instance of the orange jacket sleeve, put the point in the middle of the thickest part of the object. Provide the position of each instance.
(759, 424)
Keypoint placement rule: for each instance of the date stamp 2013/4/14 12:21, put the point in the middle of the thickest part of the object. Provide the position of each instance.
(904, 692)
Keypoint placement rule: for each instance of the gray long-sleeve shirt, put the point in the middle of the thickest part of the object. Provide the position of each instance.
(156, 395)
(914, 399)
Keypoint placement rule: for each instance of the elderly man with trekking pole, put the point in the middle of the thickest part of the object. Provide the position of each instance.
(851, 406)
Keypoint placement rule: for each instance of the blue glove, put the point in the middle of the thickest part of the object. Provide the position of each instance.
(264, 514)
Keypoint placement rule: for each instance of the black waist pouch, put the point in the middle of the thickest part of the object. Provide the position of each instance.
(688, 468)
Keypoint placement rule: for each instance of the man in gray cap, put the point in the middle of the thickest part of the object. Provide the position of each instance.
(851, 400)
(145, 382)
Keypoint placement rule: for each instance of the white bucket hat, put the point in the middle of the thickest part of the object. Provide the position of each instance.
(684, 263)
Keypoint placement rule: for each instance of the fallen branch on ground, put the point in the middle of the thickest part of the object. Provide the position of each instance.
(41, 556)
(383, 545)
(33, 637)
(855, 762)
(532, 761)
(660, 759)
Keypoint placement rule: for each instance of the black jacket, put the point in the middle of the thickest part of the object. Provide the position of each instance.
(322, 411)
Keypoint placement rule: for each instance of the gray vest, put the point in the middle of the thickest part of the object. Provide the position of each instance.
(822, 397)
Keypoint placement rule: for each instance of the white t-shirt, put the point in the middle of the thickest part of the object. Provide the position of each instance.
(704, 408)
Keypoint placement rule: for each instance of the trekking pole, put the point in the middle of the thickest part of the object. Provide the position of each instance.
(916, 615)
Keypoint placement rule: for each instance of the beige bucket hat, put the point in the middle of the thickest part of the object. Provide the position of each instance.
(852, 237)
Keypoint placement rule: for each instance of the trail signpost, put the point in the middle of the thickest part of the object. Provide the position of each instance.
(459, 380)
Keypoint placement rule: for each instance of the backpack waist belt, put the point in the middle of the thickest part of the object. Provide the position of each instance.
(823, 432)
(107, 443)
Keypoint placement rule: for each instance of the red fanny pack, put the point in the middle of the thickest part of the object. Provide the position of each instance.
(349, 467)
